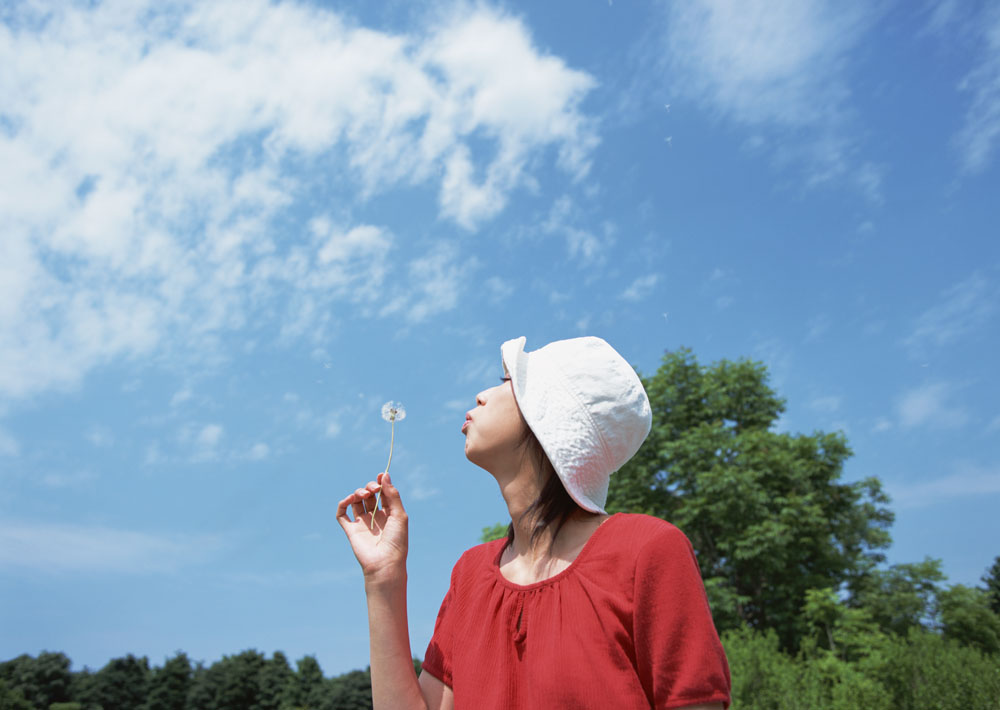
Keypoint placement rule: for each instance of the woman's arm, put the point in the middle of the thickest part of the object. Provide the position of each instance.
(381, 552)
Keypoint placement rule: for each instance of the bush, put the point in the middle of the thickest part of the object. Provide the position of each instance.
(927, 672)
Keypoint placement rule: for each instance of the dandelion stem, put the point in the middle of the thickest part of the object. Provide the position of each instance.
(392, 438)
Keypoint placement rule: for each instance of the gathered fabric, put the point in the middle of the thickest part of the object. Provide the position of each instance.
(626, 624)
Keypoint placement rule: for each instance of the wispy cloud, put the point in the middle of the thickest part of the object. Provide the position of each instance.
(209, 435)
(881, 424)
(968, 480)
(582, 242)
(641, 288)
(816, 327)
(258, 451)
(180, 397)
(776, 65)
(433, 283)
(963, 309)
(8, 444)
(828, 404)
(930, 405)
(67, 480)
(179, 197)
(67, 548)
(980, 133)
(498, 289)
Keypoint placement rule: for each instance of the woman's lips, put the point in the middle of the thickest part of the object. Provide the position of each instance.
(468, 420)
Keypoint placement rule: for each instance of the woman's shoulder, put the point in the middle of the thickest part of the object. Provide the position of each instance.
(479, 556)
(637, 530)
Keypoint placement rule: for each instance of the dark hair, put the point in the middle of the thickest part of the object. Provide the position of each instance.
(553, 506)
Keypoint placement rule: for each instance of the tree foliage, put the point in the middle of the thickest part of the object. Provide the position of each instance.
(40, 681)
(967, 618)
(991, 581)
(902, 597)
(766, 511)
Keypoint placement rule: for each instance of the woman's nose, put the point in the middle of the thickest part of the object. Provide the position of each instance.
(481, 398)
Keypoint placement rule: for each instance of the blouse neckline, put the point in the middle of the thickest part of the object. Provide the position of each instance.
(559, 575)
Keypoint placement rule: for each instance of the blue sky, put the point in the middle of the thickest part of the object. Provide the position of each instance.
(230, 231)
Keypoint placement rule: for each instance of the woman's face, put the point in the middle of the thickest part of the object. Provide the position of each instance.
(494, 428)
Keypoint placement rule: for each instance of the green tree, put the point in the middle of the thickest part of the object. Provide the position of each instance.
(170, 685)
(765, 511)
(239, 687)
(493, 532)
(351, 691)
(847, 633)
(205, 684)
(122, 684)
(991, 580)
(966, 617)
(42, 680)
(924, 671)
(275, 680)
(308, 687)
(12, 698)
(82, 689)
(902, 597)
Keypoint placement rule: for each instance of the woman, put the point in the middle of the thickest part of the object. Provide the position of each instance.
(575, 608)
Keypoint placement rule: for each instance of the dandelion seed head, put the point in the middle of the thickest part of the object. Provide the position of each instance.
(393, 411)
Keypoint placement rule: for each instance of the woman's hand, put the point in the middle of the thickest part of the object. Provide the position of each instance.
(381, 549)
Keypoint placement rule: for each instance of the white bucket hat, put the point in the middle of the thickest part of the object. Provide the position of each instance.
(586, 406)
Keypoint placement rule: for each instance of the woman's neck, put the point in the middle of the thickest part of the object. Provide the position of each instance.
(540, 556)
(526, 563)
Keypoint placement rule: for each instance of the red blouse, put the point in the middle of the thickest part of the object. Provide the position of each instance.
(626, 625)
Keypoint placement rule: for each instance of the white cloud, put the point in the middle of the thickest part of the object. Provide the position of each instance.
(929, 405)
(100, 436)
(209, 435)
(457, 405)
(965, 308)
(641, 288)
(980, 134)
(67, 548)
(776, 64)
(881, 424)
(563, 220)
(166, 211)
(777, 356)
(761, 61)
(869, 178)
(498, 289)
(67, 480)
(433, 284)
(968, 480)
(180, 397)
(828, 404)
(258, 451)
(816, 327)
(8, 444)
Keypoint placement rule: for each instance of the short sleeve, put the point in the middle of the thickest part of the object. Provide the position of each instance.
(438, 658)
(679, 657)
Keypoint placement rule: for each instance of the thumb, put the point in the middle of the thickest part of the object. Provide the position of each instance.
(391, 501)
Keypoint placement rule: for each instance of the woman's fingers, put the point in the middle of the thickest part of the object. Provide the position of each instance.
(391, 502)
(361, 502)
(342, 512)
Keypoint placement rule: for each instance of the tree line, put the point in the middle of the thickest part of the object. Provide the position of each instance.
(245, 681)
(793, 559)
